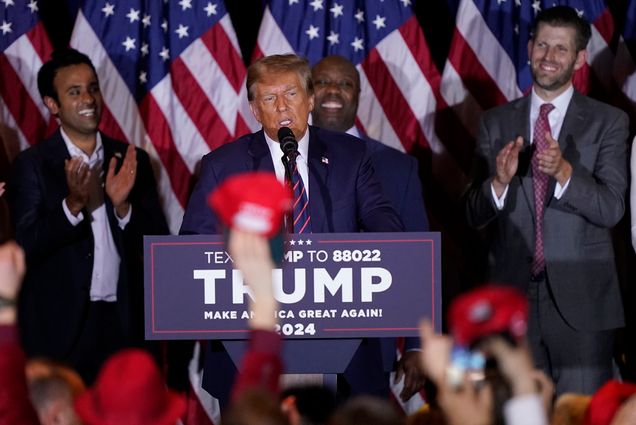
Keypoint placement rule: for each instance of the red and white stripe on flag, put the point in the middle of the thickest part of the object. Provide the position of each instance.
(23, 116)
(198, 103)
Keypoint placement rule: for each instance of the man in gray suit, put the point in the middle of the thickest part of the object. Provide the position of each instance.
(551, 177)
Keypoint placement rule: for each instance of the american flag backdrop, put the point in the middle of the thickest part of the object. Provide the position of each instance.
(172, 78)
(399, 81)
(24, 45)
(488, 60)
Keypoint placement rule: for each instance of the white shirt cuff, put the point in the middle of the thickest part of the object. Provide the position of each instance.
(525, 410)
(124, 221)
(560, 190)
(499, 202)
(69, 215)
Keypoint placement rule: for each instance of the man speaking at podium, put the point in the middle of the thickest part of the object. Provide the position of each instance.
(335, 186)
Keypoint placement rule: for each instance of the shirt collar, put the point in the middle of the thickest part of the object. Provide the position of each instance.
(353, 131)
(303, 145)
(73, 150)
(561, 102)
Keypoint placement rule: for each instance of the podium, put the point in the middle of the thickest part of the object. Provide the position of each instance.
(334, 290)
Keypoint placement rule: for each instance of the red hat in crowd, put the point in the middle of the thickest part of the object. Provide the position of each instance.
(488, 310)
(252, 201)
(130, 391)
(606, 401)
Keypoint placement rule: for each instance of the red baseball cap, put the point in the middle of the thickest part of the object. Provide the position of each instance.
(606, 401)
(491, 309)
(254, 201)
(130, 391)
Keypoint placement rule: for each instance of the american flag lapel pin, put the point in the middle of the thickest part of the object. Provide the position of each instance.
(324, 160)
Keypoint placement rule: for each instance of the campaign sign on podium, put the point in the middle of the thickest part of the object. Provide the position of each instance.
(337, 285)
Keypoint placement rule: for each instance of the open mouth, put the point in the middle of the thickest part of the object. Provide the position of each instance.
(285, 122)
(87, 112)
(331, 104)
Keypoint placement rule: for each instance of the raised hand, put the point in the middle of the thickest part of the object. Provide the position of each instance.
(552, 163)
(119, 184)
(78, 175)
(507, 162)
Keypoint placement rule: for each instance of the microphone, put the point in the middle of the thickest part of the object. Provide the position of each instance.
(288, 143)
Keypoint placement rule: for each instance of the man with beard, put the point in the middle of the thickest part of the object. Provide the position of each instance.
(550, 182)
(337, 92)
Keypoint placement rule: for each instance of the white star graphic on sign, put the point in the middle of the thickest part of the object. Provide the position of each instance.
(164, 26)
(301, 242)
(143, 77)
(165, 54)
(406, 3)
(316, 4)
(312, 32)
(129, 43)
(8, 3)
(144, 49)
(292, 242)
(6, 27)
(185, 4)
(357, 44)
(308, 242)
(33, 5)
(210, 9)
(379, 22)
(133, 15)
(336, 10)
(182, 31)
(536, 5)
(292, 2)
(333, 38)
(359, 16)
(146, 21)
(108, 9)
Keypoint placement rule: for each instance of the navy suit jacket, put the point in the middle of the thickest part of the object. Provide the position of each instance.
(55, 294)
(344, 193)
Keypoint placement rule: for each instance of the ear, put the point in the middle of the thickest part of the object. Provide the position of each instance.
(581, 59)
(311, 102)
(530, 46)
(255, 111)
(51, 104)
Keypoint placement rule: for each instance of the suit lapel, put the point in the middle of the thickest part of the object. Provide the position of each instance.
(318, 165)
(259, 158)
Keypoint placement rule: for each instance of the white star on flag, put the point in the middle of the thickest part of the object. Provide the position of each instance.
(333, 38)
(185, 4)
(210, 9)
(146, 21)
(165, 53)
(312, 32)
(359, 16)
(133, 15)
(316, 4)
(379, 22)
(337, 10)
(33, 5)
(129, 43)
(357, 44)
(108, 9)
(182, 31)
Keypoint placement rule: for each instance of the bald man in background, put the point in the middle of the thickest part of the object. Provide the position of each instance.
(337, 92)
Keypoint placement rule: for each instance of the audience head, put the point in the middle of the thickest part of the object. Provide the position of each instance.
(130, 391)
(255, 407)
(366, 410)
(308, 405)
(489, 310)
(281, 93)
(53, 388)
(564, 16)
(337, 90)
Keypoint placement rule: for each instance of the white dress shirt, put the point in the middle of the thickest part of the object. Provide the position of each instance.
(555, 118)
(301, 160)
(106, 259)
